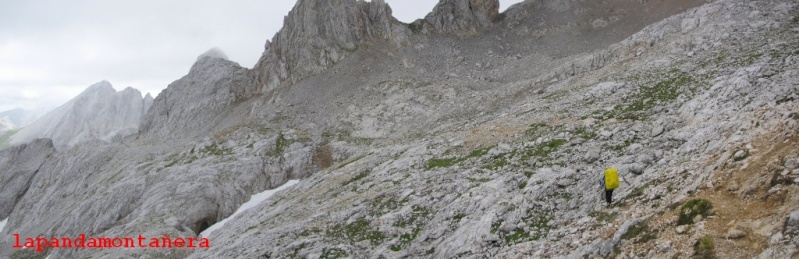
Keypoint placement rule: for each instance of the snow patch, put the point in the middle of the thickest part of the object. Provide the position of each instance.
(3, 224)
(254, 200)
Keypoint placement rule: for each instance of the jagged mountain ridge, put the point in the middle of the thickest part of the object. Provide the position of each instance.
(378, 194)
(99, 112)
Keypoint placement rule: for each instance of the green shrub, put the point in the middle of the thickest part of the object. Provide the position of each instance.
(704, 248)
(694, 207)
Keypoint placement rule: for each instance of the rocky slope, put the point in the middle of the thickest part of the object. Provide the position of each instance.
(486, 141)
(98, 113)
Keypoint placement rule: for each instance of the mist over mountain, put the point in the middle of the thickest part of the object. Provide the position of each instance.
(466, 134)
(19, 117)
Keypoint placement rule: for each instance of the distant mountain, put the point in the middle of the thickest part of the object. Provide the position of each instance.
(18, 117)
(5, 125)
(99, 112)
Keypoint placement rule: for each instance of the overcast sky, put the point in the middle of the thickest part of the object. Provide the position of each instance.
(51, 50)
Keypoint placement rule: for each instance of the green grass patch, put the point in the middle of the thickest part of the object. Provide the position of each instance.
(640, 233)
(638, 191)
(604, 216)
(332, 253)
(357, 231)
(216, 150)
(517, 236)
(653, 91)
(529, 173)
(535, 129)
(416, 221)
(704, 248)
(495, 226)
(557, 95)
(174, 162)
(281, 143)
(381, 205)
(478, 180)
(458, 218)
(447, 162)
(622, 146)
(308, 232)
(585, 133)
(545, 149)
(522, 185)
(356, 178)
(692, 208)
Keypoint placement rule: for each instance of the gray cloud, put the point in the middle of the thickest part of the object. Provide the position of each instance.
(51, 50)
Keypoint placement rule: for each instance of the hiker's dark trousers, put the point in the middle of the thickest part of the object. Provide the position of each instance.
(608, 195)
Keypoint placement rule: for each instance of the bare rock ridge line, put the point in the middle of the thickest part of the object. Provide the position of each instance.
(193, 104)
(459, 16)
(317, 34)
(99, 112)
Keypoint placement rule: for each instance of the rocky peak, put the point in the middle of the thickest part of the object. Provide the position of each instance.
(99, 88)
(190, 103)
(460, 16)
(99, 112)
(215, 53)
(318, 33)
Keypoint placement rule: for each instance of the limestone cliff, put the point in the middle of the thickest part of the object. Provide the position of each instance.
(318, 33)
(18, 165)
(460, 16)
(194, 104)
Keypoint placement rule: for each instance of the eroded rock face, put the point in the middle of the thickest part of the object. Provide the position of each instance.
(18, 165)
(192, 104)
(318, 33)
(462, 15)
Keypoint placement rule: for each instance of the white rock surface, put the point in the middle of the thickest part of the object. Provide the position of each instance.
(99, 112)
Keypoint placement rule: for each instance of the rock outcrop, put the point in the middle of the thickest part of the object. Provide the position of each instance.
(194, 104)
(460, 16)
(317, 34)
(99, 112)
(18, 165)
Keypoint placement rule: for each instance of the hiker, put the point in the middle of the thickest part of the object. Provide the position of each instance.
(610, 181)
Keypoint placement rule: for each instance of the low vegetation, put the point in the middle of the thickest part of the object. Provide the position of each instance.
(357, 231)
(447, 162)
(703, 248)
(640, 233)
(692, 208)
